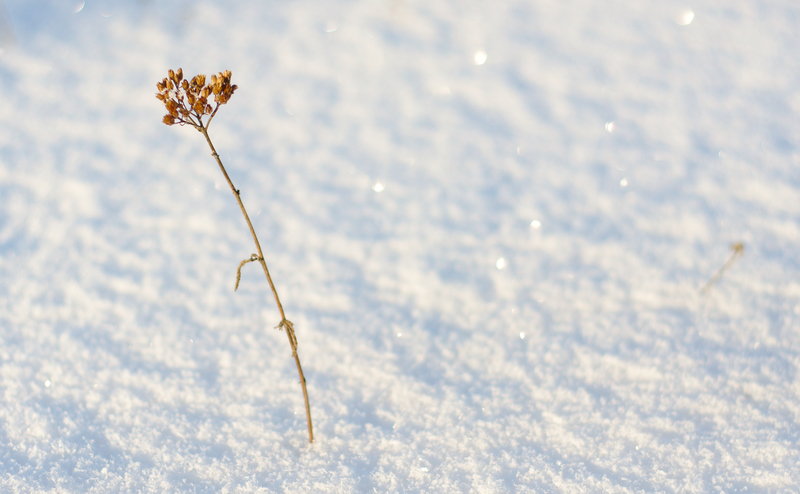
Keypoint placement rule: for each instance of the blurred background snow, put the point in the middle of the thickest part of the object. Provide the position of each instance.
(489, 222)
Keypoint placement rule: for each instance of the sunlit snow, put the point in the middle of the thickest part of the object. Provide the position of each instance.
(490, 223)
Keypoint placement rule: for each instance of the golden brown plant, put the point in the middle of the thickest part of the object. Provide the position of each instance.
(187, 103)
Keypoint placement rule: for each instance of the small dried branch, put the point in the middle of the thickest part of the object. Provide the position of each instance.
(738, 251)
(187, 104)
(252, 258)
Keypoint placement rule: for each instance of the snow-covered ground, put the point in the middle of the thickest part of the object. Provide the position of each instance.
(489, 221)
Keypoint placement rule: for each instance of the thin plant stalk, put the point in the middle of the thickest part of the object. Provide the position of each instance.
(187, 103)
(285, 323)
(738, 251)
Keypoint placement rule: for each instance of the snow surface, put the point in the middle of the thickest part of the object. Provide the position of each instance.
(391, 175)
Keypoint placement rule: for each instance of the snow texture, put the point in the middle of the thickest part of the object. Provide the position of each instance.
(489, 221)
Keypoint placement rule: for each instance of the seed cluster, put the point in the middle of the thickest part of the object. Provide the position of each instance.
(187, 101)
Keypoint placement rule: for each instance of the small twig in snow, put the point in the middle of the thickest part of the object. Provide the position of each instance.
(738, 251)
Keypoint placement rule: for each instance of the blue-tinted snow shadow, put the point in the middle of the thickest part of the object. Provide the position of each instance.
(88, 438)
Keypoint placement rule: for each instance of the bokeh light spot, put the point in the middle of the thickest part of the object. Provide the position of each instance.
(685, 18)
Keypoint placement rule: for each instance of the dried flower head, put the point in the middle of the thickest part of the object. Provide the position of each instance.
(187, 102)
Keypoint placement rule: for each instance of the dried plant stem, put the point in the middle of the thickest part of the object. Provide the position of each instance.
(738, 250)
(285, 324)
(187, 103)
